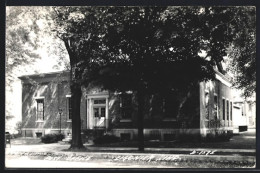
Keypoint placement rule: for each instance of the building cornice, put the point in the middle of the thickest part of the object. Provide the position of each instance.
(45, 77)
(223, 78)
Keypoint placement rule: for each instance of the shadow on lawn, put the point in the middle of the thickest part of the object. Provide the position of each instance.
(236, 142)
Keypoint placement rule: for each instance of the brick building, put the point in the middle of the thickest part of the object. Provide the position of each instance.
(207, 109)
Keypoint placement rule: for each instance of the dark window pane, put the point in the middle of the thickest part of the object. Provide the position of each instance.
(96, 112)
(224, 110)
(70, 113)
(227, 110)
(100, 101)
(103, 112)
(126, 100)
(126, 113)
(215, 106)
(69, 108)
(126, 106)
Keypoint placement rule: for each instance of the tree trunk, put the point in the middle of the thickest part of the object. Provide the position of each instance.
(140, 98)
(76, 93)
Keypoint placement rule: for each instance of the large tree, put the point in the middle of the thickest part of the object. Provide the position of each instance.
(144, 49)
(79, 29)
(152, 50)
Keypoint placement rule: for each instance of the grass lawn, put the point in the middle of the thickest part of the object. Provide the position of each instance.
(236, 142)
(241, 141)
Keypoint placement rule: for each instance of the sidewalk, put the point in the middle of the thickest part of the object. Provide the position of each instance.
(130, 158)
(130, 155)
(61, 147)
(58, 152)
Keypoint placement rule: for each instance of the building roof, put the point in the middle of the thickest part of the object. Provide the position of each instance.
(45, 77)
(40, 75)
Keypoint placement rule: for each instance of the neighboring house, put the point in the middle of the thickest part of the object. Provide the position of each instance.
(207, 109)
(244, 115)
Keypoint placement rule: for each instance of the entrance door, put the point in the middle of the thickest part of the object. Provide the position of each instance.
(99, 113)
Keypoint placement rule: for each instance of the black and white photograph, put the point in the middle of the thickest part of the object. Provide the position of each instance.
(130, 87)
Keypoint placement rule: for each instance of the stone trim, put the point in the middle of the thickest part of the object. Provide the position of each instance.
(169, 119)
(99, 95)
(222, 79)
(125, 120)
(39, 98)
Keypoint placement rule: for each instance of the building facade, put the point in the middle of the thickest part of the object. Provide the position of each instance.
(46, 108)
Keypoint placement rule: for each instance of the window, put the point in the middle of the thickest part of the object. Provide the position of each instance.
(99, 101)
(215, 113)
(170, 107)
(40, 110)
(126, 106)
(224, 109)
(99, 112)
(227, 110)
(99, 108)
(69, 113)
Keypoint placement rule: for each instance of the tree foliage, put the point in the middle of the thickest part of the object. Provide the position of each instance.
(242, 52)
(29, 42)
(148, 49)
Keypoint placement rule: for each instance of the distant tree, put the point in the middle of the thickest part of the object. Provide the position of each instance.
(27, 32)
(21, 29)
(242, 51)
(28, 40)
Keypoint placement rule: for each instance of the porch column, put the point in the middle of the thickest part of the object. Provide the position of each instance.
(87, 112)
(90, 118)
(107, 113)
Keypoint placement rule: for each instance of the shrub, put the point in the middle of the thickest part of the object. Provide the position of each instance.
(189, 137)
(105, 139)
(219, 136)
(16, 135)
(52, 138)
